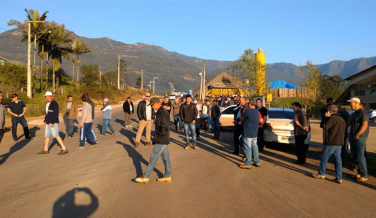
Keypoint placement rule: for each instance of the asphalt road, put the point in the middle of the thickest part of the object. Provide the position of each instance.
(98, 182)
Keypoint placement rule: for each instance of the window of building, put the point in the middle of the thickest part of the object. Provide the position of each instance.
(360, 92)
(372, 91)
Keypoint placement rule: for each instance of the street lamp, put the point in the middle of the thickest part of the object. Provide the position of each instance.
(154, 83)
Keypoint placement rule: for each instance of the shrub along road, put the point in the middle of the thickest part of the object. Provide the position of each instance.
(205, 182)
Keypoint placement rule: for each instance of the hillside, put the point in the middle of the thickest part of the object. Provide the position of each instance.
(155, 61)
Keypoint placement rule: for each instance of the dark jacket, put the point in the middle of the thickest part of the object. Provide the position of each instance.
(53, 113)
(126, 107)
(162, 127)
(215, 112)
(141, 111)
(188, 113)
(335, 128)
(92, 107)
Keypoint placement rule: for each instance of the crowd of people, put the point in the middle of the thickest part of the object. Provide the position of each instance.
(190, 116)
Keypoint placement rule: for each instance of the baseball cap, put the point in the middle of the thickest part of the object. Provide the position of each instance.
(153, 100)
(105, 100)
(355, 99)
(195, 101)
(14, 95)
(48, 93)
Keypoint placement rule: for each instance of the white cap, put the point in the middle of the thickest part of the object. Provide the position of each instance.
(105, 100)
(195, 101)
(48, 93)
(355, 99)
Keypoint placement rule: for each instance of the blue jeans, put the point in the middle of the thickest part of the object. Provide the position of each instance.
(325, 155)
(54, 131)
(106, 122)
(87, 134)
(192, 128)
(68, 125)
(215, 127)
(177, 120)
(209, 123)
(358, 148)
(250, 146)
(159, 150)
(22, 121)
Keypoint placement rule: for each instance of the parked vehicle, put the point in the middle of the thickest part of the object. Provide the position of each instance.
(172, 97)
(227, 117)
(280, 126)
(372, 115)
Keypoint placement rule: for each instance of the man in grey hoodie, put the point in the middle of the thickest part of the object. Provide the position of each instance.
(2, 118)
(86, 124)
(106, 109)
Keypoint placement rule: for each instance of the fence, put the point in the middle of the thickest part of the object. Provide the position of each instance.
(291, 93)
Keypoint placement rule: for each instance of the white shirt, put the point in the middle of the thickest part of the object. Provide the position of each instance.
(148, 111)
(130, 107)
(47, 105)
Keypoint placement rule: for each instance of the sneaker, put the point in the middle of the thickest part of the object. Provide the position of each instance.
(362, 179)
(43, 152)
(164, 179)
(136, 144)
(256, 165)
(28, 139)
(62, 152)
(339, 181)
(148, 144)
(69, 137)
(130, 126)
(187, 147)
(318, 176)
(94, 145)
(80, 147)
(142, 180)
(195, 147)
(114, 133)
(357, 176)
(244, 167)
(219, 137)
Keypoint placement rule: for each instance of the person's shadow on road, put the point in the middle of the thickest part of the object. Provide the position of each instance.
(18, 145)
(66, 206)
(129, 134)
(137, 160)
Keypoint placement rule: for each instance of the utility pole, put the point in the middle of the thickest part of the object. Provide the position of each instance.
(204, 83)
(154, 84)
(142, 80)
(100, 76)
(200, 85)
(118, 79)
(29, 91)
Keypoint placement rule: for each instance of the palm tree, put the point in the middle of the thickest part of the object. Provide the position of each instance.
(77, 48)
(37, 30)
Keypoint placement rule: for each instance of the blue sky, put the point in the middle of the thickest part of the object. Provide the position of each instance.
(288, 31)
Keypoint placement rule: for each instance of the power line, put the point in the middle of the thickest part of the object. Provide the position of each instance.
(15, 5)
(12, 7)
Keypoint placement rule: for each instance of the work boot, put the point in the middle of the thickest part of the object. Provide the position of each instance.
(142, 180)
(137, 144)
(245, 167)
(164, 179)
(362, 179)
(195, 147)
(187, 147)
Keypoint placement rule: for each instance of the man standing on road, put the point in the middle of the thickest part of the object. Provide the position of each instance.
(334, 132)
(17, 109)
(161, 140)
(215, 115)
(198, 117)
(238, 125)
(300, 132)
(358, 137)
(51, 123)
(251, 119)
(69, 113)
(176, 112)
(2, 118)
(166, 104)
(260, 134)
(86, 125)
(206, 114)
(144, 114)
(188, 116)
(128, 109)
(329, 102)
(106, 109)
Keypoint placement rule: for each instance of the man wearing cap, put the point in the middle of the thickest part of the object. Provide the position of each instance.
(128, 109)
(161, 140)
(17, 109)
(188, 115)
(69, 112)
(215, 115)
(106, 109)
(2, 118)
(334, 133)
(51, 124)
(145, 115)
(358, 136)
